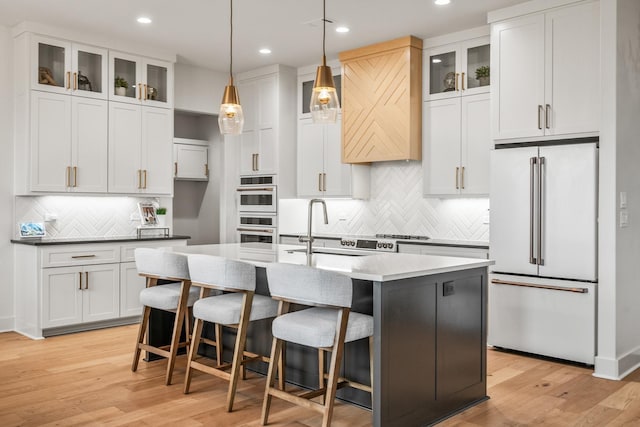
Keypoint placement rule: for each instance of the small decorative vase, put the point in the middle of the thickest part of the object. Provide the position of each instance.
(484, 81)
(162, 220)
(121, 91)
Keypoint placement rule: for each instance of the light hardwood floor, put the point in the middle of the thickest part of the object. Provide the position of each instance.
(85, 379)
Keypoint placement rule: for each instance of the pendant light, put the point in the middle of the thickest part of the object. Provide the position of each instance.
(230, 118)
(324, 104)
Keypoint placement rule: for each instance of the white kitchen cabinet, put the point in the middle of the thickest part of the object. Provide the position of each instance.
(131, 283)
(68, 143)
(190, 160)
(441, 250)
(80, 294)
(65, 67)
(450, 70)
(456, 144)
(140, 149)
(149, 81)
(321, 172)
(545, 69)
(267, 143)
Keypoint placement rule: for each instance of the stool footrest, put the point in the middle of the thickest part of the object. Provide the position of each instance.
(300, 401)
(344, 382)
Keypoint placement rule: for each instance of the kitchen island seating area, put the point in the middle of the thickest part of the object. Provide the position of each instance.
(235, 308)
(177, 296)
(325, 326)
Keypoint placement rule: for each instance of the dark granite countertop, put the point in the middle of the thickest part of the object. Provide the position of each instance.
(80, 240)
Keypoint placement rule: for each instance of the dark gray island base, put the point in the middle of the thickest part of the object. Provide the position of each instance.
(430, 346)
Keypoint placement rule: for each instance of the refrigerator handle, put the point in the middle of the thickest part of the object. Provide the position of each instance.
(540, 198)
(532, 164)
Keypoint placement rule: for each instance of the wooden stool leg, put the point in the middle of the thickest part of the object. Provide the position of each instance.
(320, 368)
(334, 368)
(193, 351)
(177, 329)
(187, 327)
(218, 329)
(281, 365)
(141, 333)
(275, 362)
(238, 352)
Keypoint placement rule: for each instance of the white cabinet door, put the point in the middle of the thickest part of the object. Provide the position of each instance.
(89, 67)
(50, 64)
(131, 283)
(191, 162)
(100, 292)
(248, 152)
(50, 141)
(157, 140)
(61, 296)
(476, 144)
(267, 156)
(441, 146)
(337, 178)
(310, 158)
(572, 80)
(517, 54)
(158, 83)
(512, 217)
(89, 145)
(125, 137)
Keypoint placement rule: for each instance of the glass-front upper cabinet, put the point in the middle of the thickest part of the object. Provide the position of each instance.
(457, 69)
(140, 80)
(71, 68)
(305, 89)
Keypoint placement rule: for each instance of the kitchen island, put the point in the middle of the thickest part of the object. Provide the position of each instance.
(429, 329)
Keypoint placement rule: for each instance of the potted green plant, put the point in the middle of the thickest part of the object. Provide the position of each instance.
(161, 213)
(121, 86)
(482, 75)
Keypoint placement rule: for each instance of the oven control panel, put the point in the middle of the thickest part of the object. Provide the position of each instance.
(369, 244)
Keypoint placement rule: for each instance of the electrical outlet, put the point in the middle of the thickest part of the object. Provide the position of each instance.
(623, 199)
(49, 217)
(624, 218)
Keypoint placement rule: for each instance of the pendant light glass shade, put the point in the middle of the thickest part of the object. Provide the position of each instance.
(230, 117)
(324, 103)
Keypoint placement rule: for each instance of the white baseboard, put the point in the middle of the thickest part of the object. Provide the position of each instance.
(7, 324)
(618, 368)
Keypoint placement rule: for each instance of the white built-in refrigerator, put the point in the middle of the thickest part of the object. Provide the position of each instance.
(543, 293)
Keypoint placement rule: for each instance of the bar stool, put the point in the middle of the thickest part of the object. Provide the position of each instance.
(235, 308)
(326, 326)
(176, 297)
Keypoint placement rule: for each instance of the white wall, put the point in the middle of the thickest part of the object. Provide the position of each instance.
(6, 180)
(619, 247)
(198, 89)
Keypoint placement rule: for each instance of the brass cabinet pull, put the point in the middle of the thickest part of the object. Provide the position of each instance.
(462, 82)
(80, 280)
(536, 286)
(547, 117)
(457, 182)
(540, 112)
(145, 179)
(456, 82)
(139, 179)
(206, 169)
(462, 177)
(140, 91)
(175, 168)
(75, 176)
(257, 161)
(68, 177)
(86, 280)
(324, 181)
(82, 256)
(75, 81)
(68, 79)
(146, 92)
(319, 182)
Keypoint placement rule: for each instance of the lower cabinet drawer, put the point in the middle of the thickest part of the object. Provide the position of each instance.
(80, 255)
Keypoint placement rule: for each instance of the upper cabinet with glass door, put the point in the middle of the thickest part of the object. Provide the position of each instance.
(69, 68)
(457, 69)
(140, 80)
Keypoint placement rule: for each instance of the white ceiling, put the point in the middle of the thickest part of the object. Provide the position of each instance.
(198, 30)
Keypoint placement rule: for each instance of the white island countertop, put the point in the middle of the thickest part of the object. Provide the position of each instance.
(378, 267)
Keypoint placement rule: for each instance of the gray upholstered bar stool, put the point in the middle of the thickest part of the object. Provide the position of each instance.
(176, 297)
(326, 326)
(235, 308)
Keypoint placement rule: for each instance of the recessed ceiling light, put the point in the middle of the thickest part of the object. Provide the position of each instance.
(265, 51)
(442, 2)
(436, 60)
(342, 30)
(144, 20)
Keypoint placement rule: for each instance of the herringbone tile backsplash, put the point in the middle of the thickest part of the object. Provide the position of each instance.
(81, 216)
(396, 206)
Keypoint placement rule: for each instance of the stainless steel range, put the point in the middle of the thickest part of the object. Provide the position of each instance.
(379, 243)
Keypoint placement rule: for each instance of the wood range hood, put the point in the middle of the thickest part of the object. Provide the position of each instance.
(382, 101)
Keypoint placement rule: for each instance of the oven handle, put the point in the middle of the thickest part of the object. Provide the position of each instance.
(255, 189)
(534, 285)
(259, 230)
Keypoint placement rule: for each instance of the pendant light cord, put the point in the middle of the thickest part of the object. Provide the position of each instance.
(231, 42)
(324, 24)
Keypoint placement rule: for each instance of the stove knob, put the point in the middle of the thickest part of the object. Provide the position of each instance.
(390, 245)
(353, 243)
(385, 245)
(341, 242)
(379, 245)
